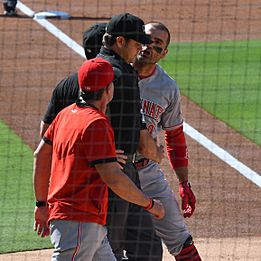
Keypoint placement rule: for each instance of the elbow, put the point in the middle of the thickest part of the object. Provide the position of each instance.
(113, 184)
(111, 175)
(113, 181)
(35, 155)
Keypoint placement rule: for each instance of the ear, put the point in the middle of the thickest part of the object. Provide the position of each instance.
(120, 40)
(164, 53)
(110, 91)
(109, 88)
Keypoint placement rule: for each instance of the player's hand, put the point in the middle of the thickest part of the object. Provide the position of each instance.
(41, 216)
(158, 210)
(121, 158)
(188, 198)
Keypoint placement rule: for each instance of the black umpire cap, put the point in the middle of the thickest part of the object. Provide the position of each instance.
(129, 26)
(92, 40)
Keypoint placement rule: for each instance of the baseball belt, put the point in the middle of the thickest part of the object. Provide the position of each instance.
(131, 157)
(141, 163)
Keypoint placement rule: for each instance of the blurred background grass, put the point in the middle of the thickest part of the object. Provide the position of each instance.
(224, 78)
(16, 195)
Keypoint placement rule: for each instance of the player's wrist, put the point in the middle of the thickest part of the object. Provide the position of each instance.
(150, 205)
(40, 203)
(184, 182)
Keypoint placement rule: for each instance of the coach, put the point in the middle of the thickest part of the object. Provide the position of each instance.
(74, 163)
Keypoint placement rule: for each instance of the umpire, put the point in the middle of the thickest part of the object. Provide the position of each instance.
(122, 41)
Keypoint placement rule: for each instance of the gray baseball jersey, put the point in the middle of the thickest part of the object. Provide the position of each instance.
(160, 98)
(161, 107)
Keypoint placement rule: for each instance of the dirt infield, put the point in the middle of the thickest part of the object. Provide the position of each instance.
(227, 223)
(210, 250)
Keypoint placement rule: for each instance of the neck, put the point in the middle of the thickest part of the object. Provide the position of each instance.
(120, 52)
(144, 70)
(101, 106)
(116, 49)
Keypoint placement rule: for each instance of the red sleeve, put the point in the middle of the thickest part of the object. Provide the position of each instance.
(100, 147)
(48, 135)
(176, 148)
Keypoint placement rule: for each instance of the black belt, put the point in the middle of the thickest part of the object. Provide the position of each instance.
(131, 158)
(141, 163)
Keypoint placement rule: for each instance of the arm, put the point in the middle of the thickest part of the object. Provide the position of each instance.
(43, 127)
(177, 152)
(148, 147)
(121, 185)
(178, 157)
(41, 175)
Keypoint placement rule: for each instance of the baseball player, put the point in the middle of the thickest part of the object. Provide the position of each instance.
(10, 7)
(161, 106)
(74, 165)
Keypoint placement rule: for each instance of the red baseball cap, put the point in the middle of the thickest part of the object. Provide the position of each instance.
(95, 74)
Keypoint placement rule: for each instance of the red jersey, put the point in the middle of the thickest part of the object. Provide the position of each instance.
(81, 137)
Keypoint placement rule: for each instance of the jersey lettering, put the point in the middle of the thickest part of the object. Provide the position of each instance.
(152, 109)
(150, 128)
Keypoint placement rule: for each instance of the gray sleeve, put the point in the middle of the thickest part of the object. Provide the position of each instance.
(172, 117)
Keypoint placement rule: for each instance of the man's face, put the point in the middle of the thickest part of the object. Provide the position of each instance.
(152, 53)
(130, 50)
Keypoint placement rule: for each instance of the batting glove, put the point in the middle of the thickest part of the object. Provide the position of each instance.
(188, 198)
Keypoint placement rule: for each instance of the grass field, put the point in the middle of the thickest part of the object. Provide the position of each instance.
(223, 78)
(16, 195)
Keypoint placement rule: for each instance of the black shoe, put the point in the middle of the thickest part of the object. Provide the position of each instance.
(10, 13)
(9, 10)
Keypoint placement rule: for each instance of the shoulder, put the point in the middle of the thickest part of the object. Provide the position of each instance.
(65, 112)
(162, 74)
(100, 126)
(120, 67)
(72, 78)
(100, 121)
(165, 80)
(68, 82)
(117, 72)
(94, 116)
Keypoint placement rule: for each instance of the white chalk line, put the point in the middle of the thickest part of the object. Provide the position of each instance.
(189, 130)
(53, 30)
(223, 155)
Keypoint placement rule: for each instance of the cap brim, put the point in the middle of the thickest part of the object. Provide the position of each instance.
(144, 39)
(141, 38)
